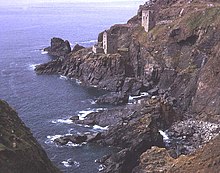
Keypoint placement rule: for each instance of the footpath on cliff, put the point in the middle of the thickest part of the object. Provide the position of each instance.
(172, 67)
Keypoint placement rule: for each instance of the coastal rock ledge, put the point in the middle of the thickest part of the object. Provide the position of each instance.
(19, 150)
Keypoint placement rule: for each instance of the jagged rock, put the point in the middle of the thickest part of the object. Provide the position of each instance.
(77, 47)
(134, 134)
(94, 137)
(154, 160)
(74, 118)
(205, 159)
(86, 121)
(77, 139)
(58, 47)
(153, 92)
(61, 141)
(113, 99)
(19, 150)
(133, 87)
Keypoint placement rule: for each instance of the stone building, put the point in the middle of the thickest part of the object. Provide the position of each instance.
(148, 19)
(97, 48)
(113, 40)
(110, 45)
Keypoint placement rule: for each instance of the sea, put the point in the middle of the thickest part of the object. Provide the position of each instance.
(46, 102)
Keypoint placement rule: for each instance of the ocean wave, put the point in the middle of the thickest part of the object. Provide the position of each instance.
(33, 66)
(96, 127)
(92, 102)
(101, 168)
(78, 81)
(69, 163)
(70, 144)
(43, 52)
(64, 121)
(84, 113)
(82, 125)
(50, 139)
(63, 77)
(87, 42)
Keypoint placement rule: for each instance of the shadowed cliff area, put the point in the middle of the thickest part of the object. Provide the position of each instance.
(19, 150)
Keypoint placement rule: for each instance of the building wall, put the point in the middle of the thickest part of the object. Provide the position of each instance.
(148, 19)
(110, 45)
(105, 42)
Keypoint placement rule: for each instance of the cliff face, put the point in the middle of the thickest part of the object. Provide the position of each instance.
(179, 54)
(177, 62)
(19, 151)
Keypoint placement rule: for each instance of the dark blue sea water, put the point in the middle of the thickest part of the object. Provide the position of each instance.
(46, 102)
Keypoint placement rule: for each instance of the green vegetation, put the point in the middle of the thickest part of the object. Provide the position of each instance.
(203, 18)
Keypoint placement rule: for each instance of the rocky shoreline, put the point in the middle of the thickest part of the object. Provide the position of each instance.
(176, 63)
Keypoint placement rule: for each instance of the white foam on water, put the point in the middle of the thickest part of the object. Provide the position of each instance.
(63, 77)
(33, 66)
(101, 167)
(94, 86)
(165, 136)
(144, 94)
(93, 102)
(83, 114)
(88, 41)
(69, 163)
(70, 144)
(50, 139)
(96, 127)
(66, 164)
(64, 121)
(43, 52)
(81, 125)
(78, 81)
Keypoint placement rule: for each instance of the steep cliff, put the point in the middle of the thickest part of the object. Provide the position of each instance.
(19, 150)
(176, 62)
(179, 54)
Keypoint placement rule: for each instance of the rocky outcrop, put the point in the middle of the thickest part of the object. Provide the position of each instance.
(113, 99)
(19, 151)
(78, 139)
(58, 47)
(203, 160)
(77, 47)
(137, 131)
